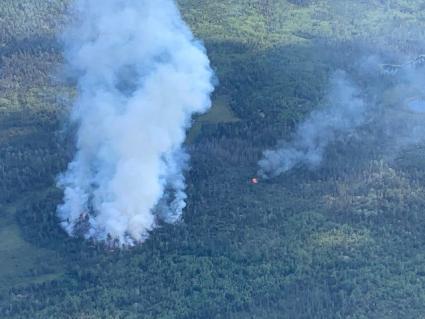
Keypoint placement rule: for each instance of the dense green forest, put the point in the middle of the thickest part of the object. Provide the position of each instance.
(345, 240)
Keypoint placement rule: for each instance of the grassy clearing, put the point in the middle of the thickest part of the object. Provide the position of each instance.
(220, 112)
(22, 262)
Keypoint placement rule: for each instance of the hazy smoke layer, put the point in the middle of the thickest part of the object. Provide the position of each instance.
(343, 111)
(141, 76)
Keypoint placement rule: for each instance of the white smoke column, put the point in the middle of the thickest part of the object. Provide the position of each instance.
(141, 76)
(343, 112)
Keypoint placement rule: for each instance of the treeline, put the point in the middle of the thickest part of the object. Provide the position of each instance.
(323, 244)
(27, 19)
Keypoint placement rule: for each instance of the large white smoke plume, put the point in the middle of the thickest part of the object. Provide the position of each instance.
(343, 111)
(141, 76)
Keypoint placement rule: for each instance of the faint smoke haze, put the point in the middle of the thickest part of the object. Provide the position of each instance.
(343, 111)
(390, 107)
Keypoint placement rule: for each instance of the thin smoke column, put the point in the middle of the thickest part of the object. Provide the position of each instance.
(343, 111)
(141, 76)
